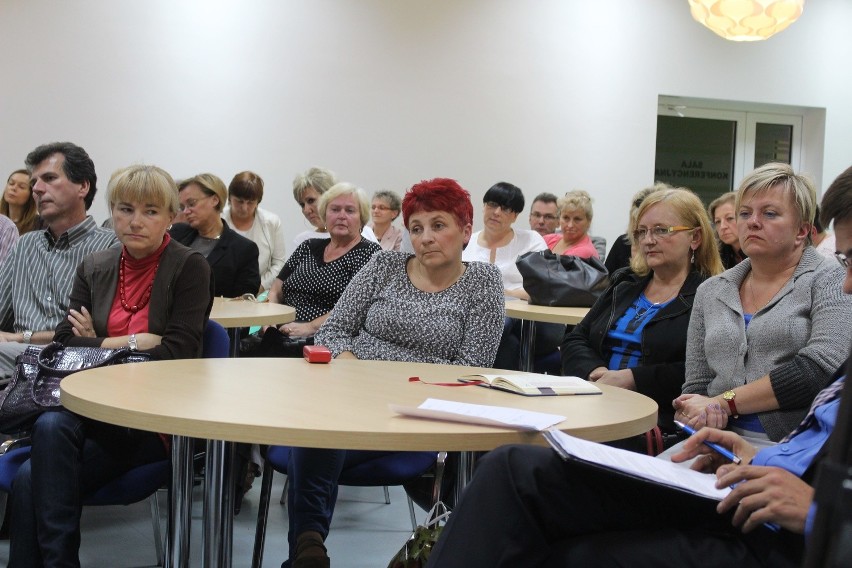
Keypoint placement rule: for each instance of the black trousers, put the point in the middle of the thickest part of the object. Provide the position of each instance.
(527, 507)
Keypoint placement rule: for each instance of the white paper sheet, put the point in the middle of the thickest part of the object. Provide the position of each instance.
(638, 465)
(437, 409)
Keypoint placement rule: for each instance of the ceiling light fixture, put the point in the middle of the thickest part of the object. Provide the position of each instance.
(746, 20)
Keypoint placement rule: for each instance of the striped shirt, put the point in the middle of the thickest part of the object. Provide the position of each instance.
(36, 279)
(8, 237)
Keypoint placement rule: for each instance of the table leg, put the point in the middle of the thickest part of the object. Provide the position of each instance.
(527, 345)
(227, 531)
(180, 504)
(464, 472)
(235, 342)
(218, 505)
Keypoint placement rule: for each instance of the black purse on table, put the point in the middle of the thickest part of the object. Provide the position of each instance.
(562, 280)
(34, 387)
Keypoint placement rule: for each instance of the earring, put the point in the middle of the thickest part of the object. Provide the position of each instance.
(692, 260)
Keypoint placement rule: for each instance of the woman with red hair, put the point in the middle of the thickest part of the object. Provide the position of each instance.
(427, 307)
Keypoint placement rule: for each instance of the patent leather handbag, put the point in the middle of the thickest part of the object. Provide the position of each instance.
(34, 387)
(562, 280)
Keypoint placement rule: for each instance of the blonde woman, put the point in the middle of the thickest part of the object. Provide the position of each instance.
(634, 337)
(766, 335)
(232, 257)
(575, 218)
(724, 218)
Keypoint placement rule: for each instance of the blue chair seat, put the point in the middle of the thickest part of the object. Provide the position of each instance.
(391, 469)
(132, 487)
(9, 464)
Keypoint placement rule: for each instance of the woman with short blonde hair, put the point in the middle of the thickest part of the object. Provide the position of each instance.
(767, 334)
(232, 257)
(575, 218)
(152, 294)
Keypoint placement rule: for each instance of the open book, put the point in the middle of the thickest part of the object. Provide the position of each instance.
(534, 384)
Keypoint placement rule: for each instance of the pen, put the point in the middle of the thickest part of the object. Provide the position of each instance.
(716, 447)
(774, 527)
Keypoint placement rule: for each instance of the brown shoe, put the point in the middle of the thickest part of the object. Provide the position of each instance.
(311, 551)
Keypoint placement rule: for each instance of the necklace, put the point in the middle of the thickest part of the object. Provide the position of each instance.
(757, 307)
(146, 297)
(640, 313)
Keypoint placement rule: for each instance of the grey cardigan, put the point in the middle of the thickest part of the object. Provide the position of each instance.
(799, 338)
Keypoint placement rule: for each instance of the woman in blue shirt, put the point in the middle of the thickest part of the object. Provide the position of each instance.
(634, 337)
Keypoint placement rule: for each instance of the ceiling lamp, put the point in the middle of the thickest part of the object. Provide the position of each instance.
(746, 20)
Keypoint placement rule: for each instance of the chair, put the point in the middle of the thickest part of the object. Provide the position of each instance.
(390, 469)
(131, 487)
(600, 246)
(135, 485)
(216, 343)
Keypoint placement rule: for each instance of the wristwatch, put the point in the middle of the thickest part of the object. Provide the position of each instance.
(131, 342)
(729, 397)
(28, 335)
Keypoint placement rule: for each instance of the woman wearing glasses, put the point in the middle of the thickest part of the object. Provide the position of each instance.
(501, 245)
(634, 337)
(498, 243)
(232, 257)
(385, 208)
(766, 335)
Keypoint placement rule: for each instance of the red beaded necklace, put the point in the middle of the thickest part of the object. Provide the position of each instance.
(146, 297)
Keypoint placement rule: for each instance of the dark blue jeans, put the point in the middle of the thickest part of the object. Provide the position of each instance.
(312, 489)
(548, 336)
(71, 457)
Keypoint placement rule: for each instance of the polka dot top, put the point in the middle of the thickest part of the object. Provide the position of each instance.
(382, 316)
(313, 286)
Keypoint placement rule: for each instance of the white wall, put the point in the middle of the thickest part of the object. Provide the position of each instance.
(548, 94)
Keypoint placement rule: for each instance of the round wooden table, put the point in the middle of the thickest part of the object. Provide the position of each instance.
(529, 313)
(235, 313)
(343, 404)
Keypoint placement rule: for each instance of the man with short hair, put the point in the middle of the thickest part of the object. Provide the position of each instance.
(544, 214)
(36, 279)
(526, 506)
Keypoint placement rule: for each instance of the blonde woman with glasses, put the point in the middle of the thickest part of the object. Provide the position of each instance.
(634, 337)
(233, 258)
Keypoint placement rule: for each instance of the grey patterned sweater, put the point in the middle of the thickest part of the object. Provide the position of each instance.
(799, 338)
(382, 316)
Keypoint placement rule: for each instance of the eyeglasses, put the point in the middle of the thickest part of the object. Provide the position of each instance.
(844, 260)
(537, 215)
(376, 207)
(658, 232)
(191, 203)
(495, 205)
(239, 201)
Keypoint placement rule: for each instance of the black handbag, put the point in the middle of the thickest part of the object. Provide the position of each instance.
(562, 280)
(34, 387)
(273, 343)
